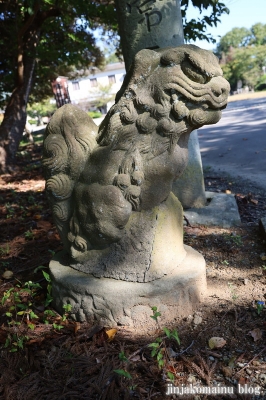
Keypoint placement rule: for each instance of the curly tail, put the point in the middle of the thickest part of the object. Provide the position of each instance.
(69, 140)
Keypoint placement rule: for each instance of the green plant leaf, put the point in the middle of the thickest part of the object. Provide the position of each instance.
(46, 276)
(33, 315)
(154, 345)
(175, 336)
(122, 372)
(167, 332)
(58, 327)
(21, 312)
(38, 268)
(67, 307)
(171, 376)
(8, 314)
(122, 357)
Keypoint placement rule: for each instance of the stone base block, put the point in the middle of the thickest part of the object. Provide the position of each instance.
(114, 302)
(221, 210)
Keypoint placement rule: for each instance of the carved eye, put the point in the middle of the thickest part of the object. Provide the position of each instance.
(194, 74)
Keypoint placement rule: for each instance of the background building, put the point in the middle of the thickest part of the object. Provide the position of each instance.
(97, 90)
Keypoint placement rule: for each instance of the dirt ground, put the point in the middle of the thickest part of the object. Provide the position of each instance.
(51, 357)
(245, 96)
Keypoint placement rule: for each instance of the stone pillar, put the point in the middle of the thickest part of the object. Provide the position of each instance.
(148, 24)
(154, 24)
(190, 188)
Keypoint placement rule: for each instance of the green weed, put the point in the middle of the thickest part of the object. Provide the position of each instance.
(29, 235)
(158, 348)
(4, 251)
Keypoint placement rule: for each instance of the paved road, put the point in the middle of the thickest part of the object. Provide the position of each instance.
(237, 144)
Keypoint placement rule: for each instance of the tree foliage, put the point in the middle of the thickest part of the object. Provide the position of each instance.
(237, 37)
(243, 56)
(63, 38)
(66, 42)
(41, 109)
(41, 39)
(196, 28)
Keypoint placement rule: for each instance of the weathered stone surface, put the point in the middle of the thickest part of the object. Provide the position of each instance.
(190, 188)
(151, 247)
(111, 301)
(220, 210)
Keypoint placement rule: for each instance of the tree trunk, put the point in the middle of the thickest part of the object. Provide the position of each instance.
(12, 127)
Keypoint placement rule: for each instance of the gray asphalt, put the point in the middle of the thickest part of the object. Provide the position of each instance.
(237, 144)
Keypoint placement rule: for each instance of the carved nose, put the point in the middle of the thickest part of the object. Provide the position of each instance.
(217, 90)
(219, 86)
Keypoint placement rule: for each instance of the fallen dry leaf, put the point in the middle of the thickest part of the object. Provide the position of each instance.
(242, 381)
(36, 340)
(256, 334)
(254, 201)
(76, 327)
(227, 372)
(46, 225)
(216, 342)
(134, 359)
(7, 275)
(111, 334)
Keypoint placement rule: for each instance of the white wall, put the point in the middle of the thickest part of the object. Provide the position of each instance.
(87, 92)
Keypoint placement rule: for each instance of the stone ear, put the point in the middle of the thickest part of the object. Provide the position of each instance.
(173, 56)
(144, 64)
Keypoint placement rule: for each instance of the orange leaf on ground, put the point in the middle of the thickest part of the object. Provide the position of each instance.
(111, 334)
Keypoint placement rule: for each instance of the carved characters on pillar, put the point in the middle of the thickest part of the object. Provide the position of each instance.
(149, 14)
(98, 178)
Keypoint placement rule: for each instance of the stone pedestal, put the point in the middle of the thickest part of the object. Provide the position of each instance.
(221, 210)
(114, 302)
(150, 267)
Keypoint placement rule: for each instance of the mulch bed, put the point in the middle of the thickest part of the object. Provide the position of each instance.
(78, 360)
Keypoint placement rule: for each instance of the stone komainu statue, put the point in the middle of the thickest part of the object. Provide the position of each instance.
(99, 181)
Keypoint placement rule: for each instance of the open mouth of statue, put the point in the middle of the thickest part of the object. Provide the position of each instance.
(201, 93)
